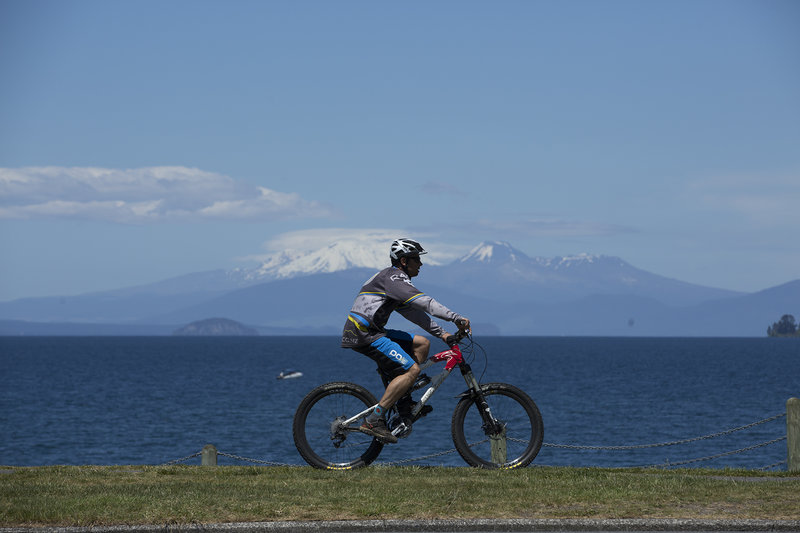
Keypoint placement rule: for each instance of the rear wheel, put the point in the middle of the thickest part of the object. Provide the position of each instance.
(321, 436)
(514, 439)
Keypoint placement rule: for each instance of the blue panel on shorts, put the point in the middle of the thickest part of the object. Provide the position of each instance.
(393, 351)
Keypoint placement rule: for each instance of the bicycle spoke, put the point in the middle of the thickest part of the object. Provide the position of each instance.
(318, 433)
(518, 442)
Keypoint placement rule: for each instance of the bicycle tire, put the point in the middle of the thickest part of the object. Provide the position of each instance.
(313, 427)
(521, 439)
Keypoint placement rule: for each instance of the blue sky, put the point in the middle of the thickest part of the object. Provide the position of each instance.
(141, 140)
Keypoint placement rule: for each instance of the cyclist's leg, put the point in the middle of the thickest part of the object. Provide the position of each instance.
(418, 346)
(405, 370)
(422, 346)
(401, 370)
(415, 345)
(399, 386)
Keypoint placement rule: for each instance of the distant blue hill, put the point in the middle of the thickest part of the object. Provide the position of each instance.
(495, 285)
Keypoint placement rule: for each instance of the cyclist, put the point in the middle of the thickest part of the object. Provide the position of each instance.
(397, 353)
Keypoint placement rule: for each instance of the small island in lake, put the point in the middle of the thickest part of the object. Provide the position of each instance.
(218, 327)
(785, 327)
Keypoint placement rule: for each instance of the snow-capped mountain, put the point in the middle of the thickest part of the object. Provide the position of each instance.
(336, 257)
(492, 267)
(500, 268)
(501, 252)
(345, 255)
(493, 283)
(516, 264)
(493, 252)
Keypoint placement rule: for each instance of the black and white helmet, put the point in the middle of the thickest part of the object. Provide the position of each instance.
(405, 248)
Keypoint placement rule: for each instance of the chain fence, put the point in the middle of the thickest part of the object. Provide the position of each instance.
(182, 459)
(575, 447)
(669, 464)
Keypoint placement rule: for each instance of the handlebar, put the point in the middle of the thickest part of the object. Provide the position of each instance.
(457, 337)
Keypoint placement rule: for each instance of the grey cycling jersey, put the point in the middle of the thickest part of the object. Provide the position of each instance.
(387, 291)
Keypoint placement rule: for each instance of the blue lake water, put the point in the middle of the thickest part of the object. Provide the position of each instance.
(150, 400)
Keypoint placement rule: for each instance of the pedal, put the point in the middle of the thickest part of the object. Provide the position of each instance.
(422, 380)
(400, 427)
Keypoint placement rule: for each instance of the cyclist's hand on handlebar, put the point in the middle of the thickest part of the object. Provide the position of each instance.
(463, 331)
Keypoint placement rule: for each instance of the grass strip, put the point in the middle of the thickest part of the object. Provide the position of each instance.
(130, 495)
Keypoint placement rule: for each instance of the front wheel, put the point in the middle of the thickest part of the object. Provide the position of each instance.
(322, 437)
(514, 437)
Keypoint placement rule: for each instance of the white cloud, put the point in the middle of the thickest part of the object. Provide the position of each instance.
(314, 239)
(142, 195)
(376, 240)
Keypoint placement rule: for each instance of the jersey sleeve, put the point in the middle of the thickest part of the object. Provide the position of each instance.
(422, 319)
(417, 306)
(419, 309)
(432, 307)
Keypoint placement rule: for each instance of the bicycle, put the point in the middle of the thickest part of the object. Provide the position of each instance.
(494, 425)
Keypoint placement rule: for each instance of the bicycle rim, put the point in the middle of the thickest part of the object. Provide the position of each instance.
(316, 436)
(515, 446)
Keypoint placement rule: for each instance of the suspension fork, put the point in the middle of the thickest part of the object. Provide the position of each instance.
(490, 425)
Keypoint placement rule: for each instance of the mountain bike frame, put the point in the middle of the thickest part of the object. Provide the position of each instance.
(494, 429)
(509, 435)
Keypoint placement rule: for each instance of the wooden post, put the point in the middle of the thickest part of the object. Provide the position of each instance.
(793, 433)
(497, 445)
(209, 455)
